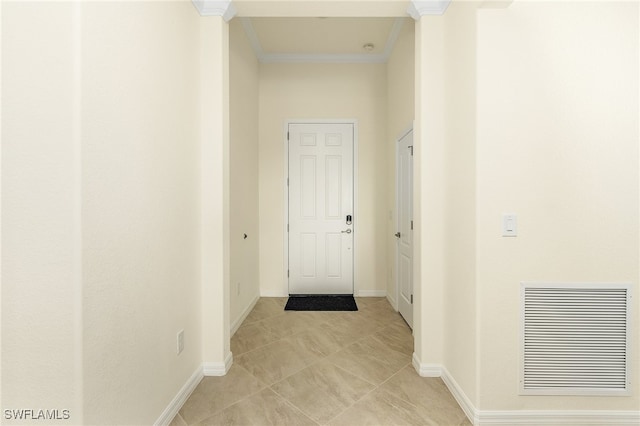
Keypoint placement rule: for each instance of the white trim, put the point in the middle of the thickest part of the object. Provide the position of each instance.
(524, 417)
(237, 323)
(371, 293)
(274, 293)
(312, 58)
(559, 417)
(224, 8)
(393, 37)
(418, 9)
(252, 36)
(426, 370)
(218, 368)
(350, 58)
(181, 397)
(461, 398)
(353, 122)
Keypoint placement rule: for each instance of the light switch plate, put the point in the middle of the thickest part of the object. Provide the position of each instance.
(509, 225)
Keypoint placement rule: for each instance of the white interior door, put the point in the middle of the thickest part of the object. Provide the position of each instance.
(404, 236)
(321, 208)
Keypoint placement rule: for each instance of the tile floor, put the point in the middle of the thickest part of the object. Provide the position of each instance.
(321, 368)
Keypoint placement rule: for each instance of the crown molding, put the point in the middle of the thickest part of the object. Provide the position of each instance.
(418, 9)
(224, 8)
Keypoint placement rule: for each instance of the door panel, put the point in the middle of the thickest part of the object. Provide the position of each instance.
(405, 227)
(320, 198)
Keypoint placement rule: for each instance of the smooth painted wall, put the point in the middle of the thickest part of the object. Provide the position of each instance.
(140, 207)
(243, 159)
(460, 293)
(41, 276)
(325, 91)
(400, 114)
(557, 144)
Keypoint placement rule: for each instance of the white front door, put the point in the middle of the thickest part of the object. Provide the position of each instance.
(321, 208)
(404, 235)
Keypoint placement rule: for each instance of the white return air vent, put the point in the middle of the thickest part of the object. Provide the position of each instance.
(575, 339)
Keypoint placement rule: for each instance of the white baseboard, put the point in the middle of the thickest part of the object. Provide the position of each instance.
(238, 322)
(272, 294)
(371, 293)
(523, 417)
(566, 417)
(218, 368)
(178, 401)
(426, 370)
(392, 302)
(463, 400)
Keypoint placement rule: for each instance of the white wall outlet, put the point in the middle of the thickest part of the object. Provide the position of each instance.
(180, 341)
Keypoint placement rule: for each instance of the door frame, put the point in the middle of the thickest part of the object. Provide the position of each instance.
(397, 221)
(285, 191)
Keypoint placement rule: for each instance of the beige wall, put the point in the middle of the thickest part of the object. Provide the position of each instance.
(140, 207)
(429, 193)
(400, 114)
(100, 208)
(41, 338)
(460, 197)
(243, 80)
(319, 91)
(557, 144)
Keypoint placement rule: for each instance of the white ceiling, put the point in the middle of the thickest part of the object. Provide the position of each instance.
(322, 39)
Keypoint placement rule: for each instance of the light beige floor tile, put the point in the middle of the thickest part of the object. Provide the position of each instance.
(276, 361)
(215, 393)
(321, 364)
(366, 302)
(266, 307)
(382, 314)
(290, 322)
(398, 337)
(356, 324)
(264, 408)
(371, 360)
(321, 340)
(430, 394)
(381, 408)
(251, 336)
(322, 390)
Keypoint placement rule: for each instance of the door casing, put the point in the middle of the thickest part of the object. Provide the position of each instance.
(285, 191)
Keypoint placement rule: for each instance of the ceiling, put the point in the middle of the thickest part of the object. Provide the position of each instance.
(322, 39)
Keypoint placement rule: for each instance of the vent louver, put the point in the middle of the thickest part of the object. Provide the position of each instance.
(575, 339)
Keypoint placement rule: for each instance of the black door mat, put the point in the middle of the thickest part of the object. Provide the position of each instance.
(321, 303)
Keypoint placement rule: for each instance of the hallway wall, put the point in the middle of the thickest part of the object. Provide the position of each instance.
(140, 207)
(41, 278)
(332, 91)
(243, 169)
(557, 144)
(400, 115)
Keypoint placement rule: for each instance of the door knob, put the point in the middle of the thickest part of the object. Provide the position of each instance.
(348, 231)
(397, 234)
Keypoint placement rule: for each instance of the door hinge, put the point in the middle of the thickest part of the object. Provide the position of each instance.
(287, 135)
(287, 227)
(288, 277)
(287, 181)
(412, 299)
(411, 148)
(412, 225)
